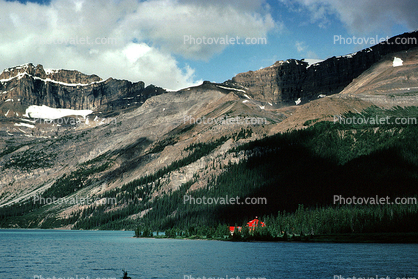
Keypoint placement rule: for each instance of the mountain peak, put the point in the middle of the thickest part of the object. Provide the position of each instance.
(65, 76)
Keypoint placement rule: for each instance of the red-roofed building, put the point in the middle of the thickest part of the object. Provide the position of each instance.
(251, 225)
(255, 223)
(232, 229)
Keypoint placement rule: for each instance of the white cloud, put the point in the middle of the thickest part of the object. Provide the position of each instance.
(362, 16)
(300, 46)
(166, 23)
(145, 39)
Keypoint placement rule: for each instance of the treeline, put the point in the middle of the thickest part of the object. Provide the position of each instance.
(306, 223)
(31, 212)
(309, 167)
(345, 219)
(135, 196)
(305, 167)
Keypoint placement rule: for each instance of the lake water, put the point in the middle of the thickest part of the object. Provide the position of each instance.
(103, 254)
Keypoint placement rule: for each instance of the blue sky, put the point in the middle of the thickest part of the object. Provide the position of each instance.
(144, 40)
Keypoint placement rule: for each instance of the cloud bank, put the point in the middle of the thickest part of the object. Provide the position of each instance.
(361, 16)
(125, 39)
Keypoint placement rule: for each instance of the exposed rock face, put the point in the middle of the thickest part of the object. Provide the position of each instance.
(286, 81)
(65, 76)
(29, 85)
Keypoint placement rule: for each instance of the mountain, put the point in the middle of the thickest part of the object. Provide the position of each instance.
(80, 152)
(285, 82)
(29, 85)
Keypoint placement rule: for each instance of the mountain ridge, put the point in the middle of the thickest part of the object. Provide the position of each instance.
(190, 141)
(286, 81)
(23, 86)
(63, 76)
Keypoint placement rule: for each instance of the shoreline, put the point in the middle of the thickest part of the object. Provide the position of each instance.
(399, 238)
(405, 238)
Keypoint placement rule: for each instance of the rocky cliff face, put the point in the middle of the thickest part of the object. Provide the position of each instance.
(29, 85)
(286, 81)
(64, 76)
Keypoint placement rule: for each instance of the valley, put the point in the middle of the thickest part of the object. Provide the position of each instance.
(134, 151)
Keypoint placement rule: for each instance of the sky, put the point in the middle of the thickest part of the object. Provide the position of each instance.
(179, 43)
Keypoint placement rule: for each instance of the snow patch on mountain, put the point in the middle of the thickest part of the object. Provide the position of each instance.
(24, 66)
(45, 112)
(230, 88)
(397, 62)
(21, 75)
(312, 62)
(50, 71)
(25, 125)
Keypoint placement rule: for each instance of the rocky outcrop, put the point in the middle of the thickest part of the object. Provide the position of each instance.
(29, 85)
(286, 81)
(64, 76)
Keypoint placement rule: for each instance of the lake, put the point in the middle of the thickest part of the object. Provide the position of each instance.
(103, 254)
